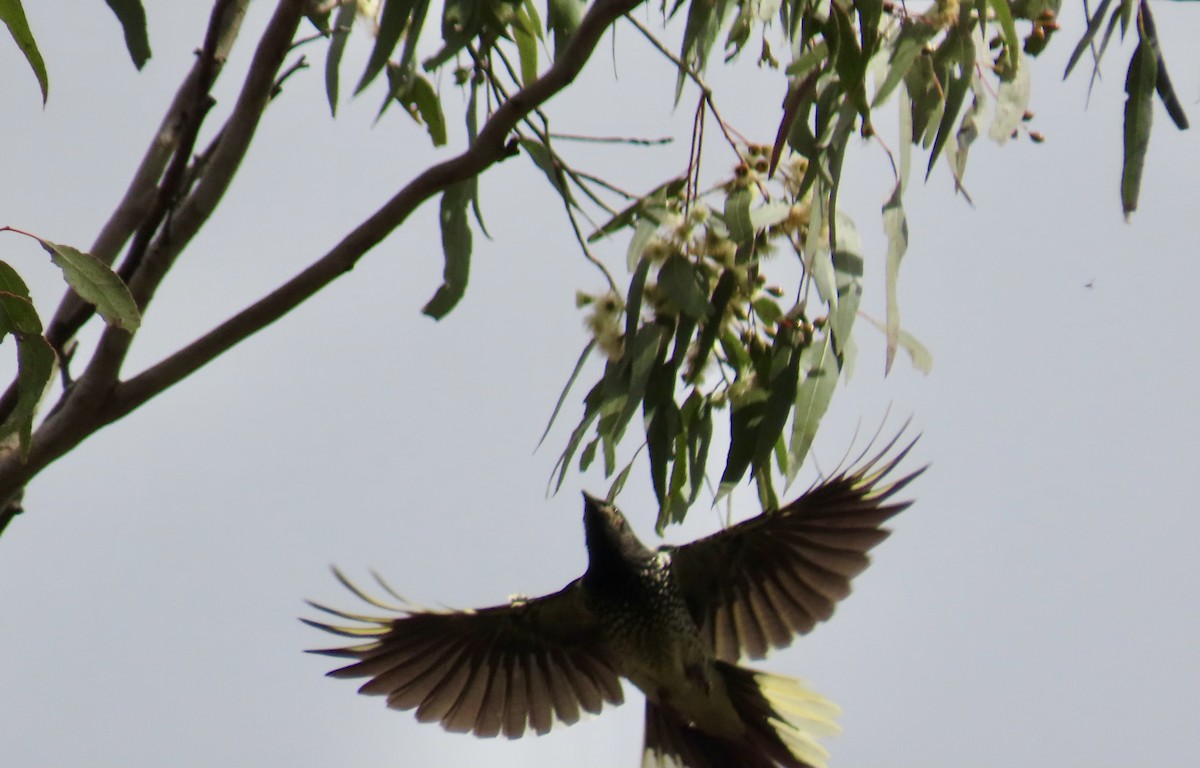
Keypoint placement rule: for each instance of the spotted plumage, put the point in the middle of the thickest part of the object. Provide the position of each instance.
(674, 622)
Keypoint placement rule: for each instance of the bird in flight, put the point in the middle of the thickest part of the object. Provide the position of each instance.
(673, 621)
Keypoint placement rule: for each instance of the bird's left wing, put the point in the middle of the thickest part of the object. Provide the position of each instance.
(489, 671)
(757, 584)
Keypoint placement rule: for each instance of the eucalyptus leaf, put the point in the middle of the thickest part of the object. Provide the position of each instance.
(96, 284)
(132, 17)
(13, 16)
(1139, 115)
(35, 366)
(818, 380)
(343, 23)
(456, 248)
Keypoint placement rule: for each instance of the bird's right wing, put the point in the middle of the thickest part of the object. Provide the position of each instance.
(488, 671)
(758, 584)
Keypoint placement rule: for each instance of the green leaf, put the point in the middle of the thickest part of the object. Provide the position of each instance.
(1139, 114)
(562, 19)
(959, 50)
(699, 33)
(422, 97)
(17, 315)
(11, 282)
(808, 60)
(781, 398)
(1093, 27)
(680, 281)
(13, 16)
(819, 373)
(743, 437)
(525, 32)
(644, 353)
(726, 285)
(456, 246)
(96, 284)
(697, 418)
(133, 22)
(895, 225)
(1162, 82)
(562, 397)
(1012, 43)
(920, 356)
(646, 229)
(848, 270)
(546, 160)
(392, 23)
(661, 434)
(343, 23)
(769, 215)
(908, 45)
(35, 366)
(737, 218)
(642, 207)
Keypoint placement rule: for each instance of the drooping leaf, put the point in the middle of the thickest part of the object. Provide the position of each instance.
(562, 19)
(848, 271)
(644, 352)
(819, 373)
(921, 357)
(423, 98)
(96, 284)
(959, 52)
(342, 25)
(562, 397)
(642, 207)
(910, 42)
(737, 218)
(35, 366)
(699, 33)
(392, 23)
(13, 16)
(1139, 114)
(11, 282)
(895, 225)
(133, 22)
(1162, 82)
(17, 315)
(1093, 27)
(781, 397)
(456, 247)
(769, 215)
(35, 357)
(544, 158)
(680, 281)
(526, 32)
(743, 437)
(645, 231)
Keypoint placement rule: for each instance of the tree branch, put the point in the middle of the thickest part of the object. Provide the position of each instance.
(489, 148)
(139, 198)
(65, 429)
(80, 411)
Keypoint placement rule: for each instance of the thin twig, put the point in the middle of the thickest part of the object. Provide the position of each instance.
(705, 91)
(613, 139)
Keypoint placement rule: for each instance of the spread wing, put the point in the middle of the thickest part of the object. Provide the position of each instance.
(757, 584)
(488, 671)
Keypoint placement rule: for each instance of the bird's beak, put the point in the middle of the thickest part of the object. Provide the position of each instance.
(591, 501)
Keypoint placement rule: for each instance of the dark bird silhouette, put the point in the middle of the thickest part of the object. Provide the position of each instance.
(673, 621)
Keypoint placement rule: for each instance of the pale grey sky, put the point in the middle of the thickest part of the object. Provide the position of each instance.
(1036, 606)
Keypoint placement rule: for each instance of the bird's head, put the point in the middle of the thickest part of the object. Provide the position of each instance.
(610, 540)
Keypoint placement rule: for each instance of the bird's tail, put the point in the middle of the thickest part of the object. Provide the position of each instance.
(783, 719)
